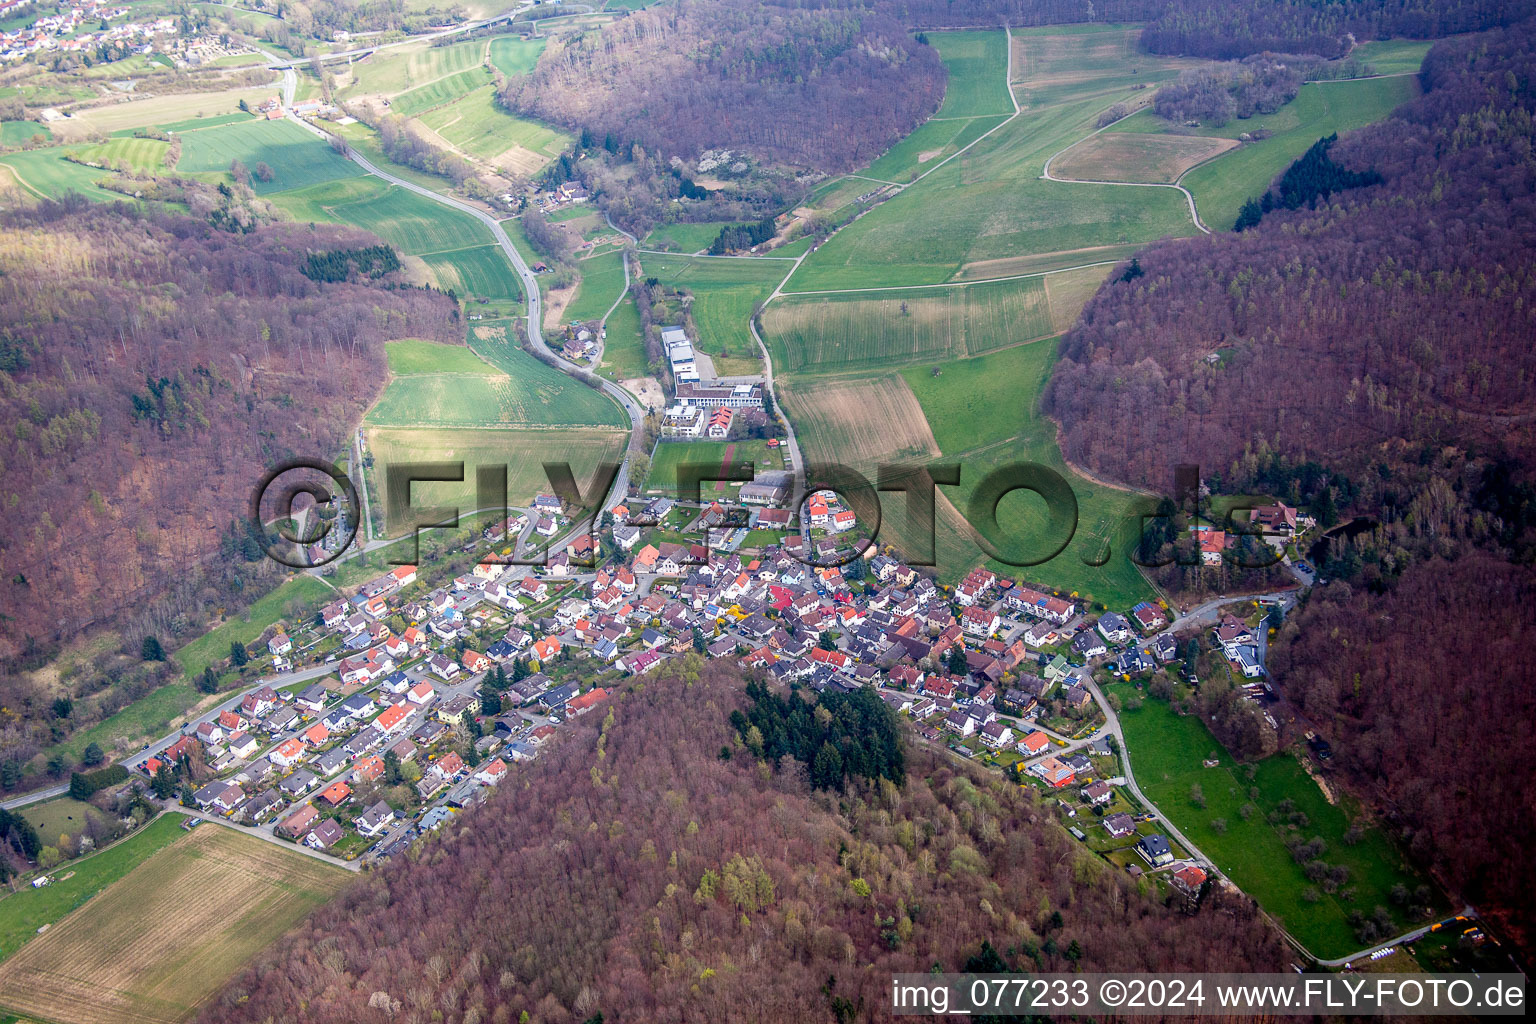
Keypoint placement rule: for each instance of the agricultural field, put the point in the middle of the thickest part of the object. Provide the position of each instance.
(523, 452)
(27, 909)
(406, 68)
(858, 421)
(850, 330)
(972, 59)
(725, 291)
(474, 124)
(294, 597)
(1393, 56)
(174, 107)
(669, 455)
(46, 174)
(413, 356)
(1167, 752)
(624, 349)
(927, 146)
(297, 158)
(512, 55)
(475, 394)
(984, 414)
(990, 204)
(685, 238)
(1133, 156)
(159, 942)
(478, 272)
(190, 124)
(140, 156)
(1221, 186)
(602, 281)
(16, 133)
(414, 224)
(439, 93)
(319, 203)
(1068, 291)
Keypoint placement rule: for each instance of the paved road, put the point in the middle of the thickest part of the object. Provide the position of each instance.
(530, 286)
(35, 796)
(264, 834)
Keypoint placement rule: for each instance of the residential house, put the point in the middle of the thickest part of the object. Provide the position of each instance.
(1154, 849)
(324, 835)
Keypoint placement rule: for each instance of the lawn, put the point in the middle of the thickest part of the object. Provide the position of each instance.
(440, 92)
(297, 158)
(26, 910)
(602, 281)
(851, 330)
(1167, 751)
(301, 594)
(193, 913)
(468, 392)
(481, 272)
(475, 124)
(669, 455)
(62, 816)
(512, 55)
(523, 452)
(725, 291)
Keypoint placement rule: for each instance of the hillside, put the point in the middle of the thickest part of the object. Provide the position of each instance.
(1393, 311)
(786, 84)
(152, 367)
(635, 872)
(1367, 354)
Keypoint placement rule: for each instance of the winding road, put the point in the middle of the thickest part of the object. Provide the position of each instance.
(1194, 213)
(530, 287)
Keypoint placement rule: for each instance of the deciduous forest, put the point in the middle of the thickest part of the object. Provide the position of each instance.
(802, 86)
(152, 368)
(1368, 354)
(637, 872)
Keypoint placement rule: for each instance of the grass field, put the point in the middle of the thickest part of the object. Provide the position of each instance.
(165, 937)
(297, 595)
(972, 59)
(1167, 752)
(479, 272)
(468, 392)
(476, 125)
(439, 93)
(1132, 156)
(148, 717)
(297, 158)
(141, 156)
(686, 238)
(669, 455)
(406, 68)
(191, 124)
(523, 452)
(46, 174)
(170, 108)
(1221, 186)
(725, 291)
(512, 55)
(990, 203)
(624, 350)
(850, 330)
(1393, 56)
(932, 142)
(602, 281)
(16, 133)
(416, 356)
(62, 816)
(26, 910)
